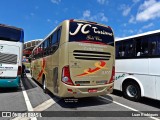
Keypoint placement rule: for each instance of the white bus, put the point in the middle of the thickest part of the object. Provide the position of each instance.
(11, 46)
(137, 66)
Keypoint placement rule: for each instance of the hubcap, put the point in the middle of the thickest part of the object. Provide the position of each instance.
(131, 91)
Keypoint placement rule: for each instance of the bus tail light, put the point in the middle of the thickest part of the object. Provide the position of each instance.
(113, 75)
(66, 76)
(19, 72)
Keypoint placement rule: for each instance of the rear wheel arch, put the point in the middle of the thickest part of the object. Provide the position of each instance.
(131, 89)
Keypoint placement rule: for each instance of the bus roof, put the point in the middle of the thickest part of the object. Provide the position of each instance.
(13, 27)
(138, 35)
(74, 20)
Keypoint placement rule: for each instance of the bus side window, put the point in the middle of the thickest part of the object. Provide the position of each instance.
(119, 51)
(154, 45)
(139, 51)
(45, 47)
(58, 35)
(54, 40)
(145, 48)
(158, 45)
(50, 45)
(129, 48)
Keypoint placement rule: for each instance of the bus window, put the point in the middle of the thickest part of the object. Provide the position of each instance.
(141, 47)
(58, 35)
(129, 48)
(55, 40)
(45, 47)
(119, 49)
(95, 34)
(144, 47)
(158, 45)
(152, 46)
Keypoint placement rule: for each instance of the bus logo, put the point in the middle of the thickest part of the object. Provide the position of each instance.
(99, 65)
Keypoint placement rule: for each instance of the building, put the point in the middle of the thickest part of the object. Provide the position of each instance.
(28, 47)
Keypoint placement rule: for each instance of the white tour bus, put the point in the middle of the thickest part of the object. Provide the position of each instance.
(137, 66)
(11, 46)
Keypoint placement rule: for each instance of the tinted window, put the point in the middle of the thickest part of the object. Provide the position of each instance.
(129, 48)
(11, 34)
(90, 33)
(54, 37)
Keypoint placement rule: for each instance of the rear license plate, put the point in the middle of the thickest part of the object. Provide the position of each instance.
(92, 90)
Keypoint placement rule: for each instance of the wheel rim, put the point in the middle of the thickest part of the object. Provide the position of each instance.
(131, 91)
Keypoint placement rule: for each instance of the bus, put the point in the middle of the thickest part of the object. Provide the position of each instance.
(137, 66)
(76, 60)
(11, 46)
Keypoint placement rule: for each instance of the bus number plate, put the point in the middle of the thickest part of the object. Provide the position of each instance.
(92, 90)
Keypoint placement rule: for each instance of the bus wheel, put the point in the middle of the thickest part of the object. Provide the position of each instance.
(44, 84)
(131, 91)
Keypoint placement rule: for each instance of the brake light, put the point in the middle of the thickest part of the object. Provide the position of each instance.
(66, 76)
(19, 72)
(113, 75)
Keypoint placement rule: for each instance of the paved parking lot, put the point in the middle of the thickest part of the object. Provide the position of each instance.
(30, 97)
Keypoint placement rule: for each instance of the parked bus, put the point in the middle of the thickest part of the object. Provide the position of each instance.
(137, 66)
(76, 60)
(11, 46)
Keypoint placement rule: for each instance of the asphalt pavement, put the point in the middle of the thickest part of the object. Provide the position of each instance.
(30, 97)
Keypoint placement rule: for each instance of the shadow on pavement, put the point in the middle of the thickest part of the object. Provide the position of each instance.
(28, 84)
(74, 103)
(10, 90)
(117, 93)
(150, 102)
(144, 100)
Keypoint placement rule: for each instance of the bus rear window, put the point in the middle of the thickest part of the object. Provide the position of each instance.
(86, 32)
(10, 34)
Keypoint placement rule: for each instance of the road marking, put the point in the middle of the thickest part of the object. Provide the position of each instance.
(130, 108)
(27, 101)
(45, 105)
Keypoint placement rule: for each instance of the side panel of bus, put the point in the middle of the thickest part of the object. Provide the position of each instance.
(155, 79)
(138, 69)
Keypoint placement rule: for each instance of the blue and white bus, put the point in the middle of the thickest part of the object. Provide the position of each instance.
(11, 47)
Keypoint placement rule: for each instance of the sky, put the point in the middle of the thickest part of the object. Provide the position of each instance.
(39, 17)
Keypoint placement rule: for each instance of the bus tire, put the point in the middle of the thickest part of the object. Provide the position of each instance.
(44, 84)
(132, 91)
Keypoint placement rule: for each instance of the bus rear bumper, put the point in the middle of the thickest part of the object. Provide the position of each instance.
(83, 91)
(9, 82)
